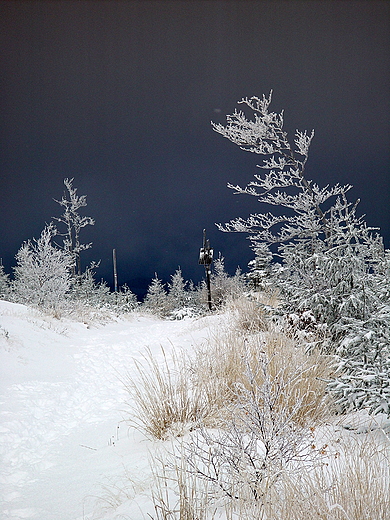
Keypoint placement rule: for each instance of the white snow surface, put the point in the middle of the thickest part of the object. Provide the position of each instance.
(65, 445)
(67, 449)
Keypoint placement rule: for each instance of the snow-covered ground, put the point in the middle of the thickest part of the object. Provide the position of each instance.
(66, 449)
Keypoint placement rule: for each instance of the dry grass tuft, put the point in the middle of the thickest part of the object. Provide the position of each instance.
(163, 400)
(181, 393)
(250, 314)
(177, 493)
(246, 315)
(229, 361)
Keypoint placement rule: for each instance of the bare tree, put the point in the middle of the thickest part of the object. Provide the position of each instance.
(73, 222)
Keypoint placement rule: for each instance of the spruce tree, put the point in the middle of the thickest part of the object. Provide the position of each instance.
(178, 297)
(156, 300)
(260, 267)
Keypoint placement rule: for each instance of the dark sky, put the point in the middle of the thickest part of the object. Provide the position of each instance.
(120, 95)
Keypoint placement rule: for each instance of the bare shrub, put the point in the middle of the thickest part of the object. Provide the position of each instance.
(265, 425)
(352, 485)
(350, 482)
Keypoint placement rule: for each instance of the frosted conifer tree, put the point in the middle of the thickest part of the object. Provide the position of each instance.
(177, 294)
(156, 300)
(73, 222)
(223, 286)
(98, 295)
(260, 267)
(333, 263)
(88, 291)
(4, 283)
(124, 300)
(42, 273)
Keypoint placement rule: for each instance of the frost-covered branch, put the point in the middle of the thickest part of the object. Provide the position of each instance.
(264, 135)
(73, 223)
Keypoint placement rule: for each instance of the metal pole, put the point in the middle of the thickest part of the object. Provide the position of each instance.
(115, 271)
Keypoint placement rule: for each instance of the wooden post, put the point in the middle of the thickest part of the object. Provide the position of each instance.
(115, 271)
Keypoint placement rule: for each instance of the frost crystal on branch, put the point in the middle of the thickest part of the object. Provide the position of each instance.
(302, 141)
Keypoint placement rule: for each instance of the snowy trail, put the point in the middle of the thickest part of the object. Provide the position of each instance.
(62, 433)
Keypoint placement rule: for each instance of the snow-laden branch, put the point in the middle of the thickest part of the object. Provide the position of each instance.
(285, 183)
(302, 142)
(73, 222)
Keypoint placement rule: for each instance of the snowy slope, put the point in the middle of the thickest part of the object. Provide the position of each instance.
(67, 450)
(63, 439)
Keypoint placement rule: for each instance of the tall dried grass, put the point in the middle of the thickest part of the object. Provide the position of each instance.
(181, 392)
(163, 400)
(178, 494)
(251, 313)
(229, 362)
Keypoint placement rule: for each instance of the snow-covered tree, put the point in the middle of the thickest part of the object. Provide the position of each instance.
(43, 272)
(4, 283)
(98, 295)
(223, 286)
(333, 263)
(177, 294)
(87, 290)
(124, 300)
(284, 184)
(182, 298)
(260, 267)
(156, 300)
(73, 222)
